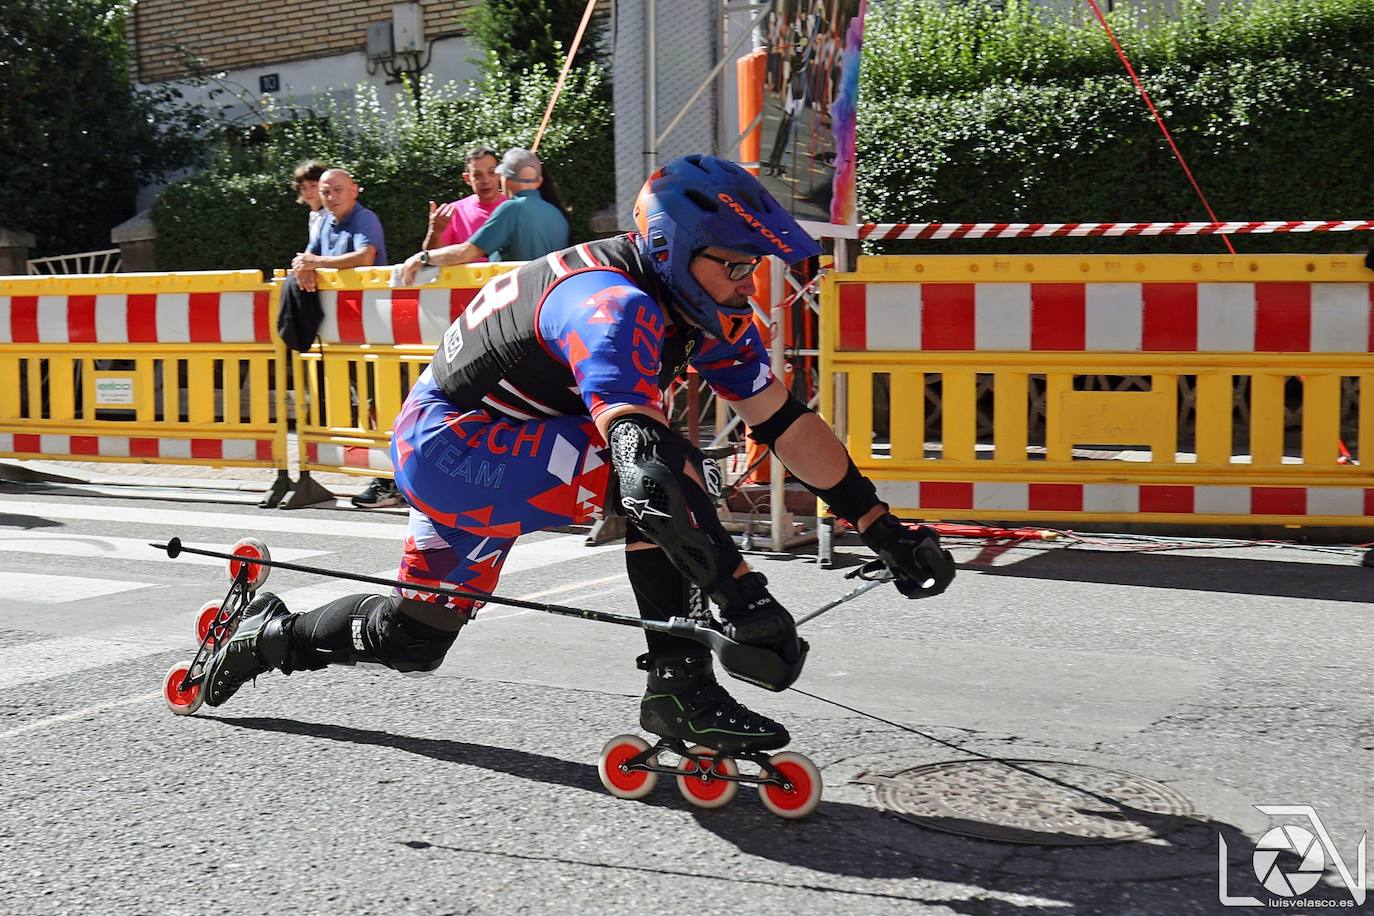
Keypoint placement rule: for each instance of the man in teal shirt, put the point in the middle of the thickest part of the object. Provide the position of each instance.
(523, 228)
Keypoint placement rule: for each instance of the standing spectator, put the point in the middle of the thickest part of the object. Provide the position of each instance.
(306, 181)
(454, 223)
(523, 228)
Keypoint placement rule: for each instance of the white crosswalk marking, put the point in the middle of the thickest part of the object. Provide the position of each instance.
(100, 639)
(243, 524)
(119, 548)
(40, 588)
(51, 658)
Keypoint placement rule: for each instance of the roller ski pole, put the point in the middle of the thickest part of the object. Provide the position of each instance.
(753, 664)
(874, 574)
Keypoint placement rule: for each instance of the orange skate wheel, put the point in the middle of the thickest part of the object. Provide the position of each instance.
(182, 701)
(620, 782)
(252, 549)
(212, 615)
(702, 788)
(805, 794)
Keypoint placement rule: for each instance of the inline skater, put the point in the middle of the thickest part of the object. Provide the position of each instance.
(546, 395)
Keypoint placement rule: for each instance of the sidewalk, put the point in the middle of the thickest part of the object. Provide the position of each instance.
(252, 480)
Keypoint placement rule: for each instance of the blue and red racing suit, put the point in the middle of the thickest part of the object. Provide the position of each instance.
(497, 437)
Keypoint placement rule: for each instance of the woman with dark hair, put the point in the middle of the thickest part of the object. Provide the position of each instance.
(306, 181)
(549, 191)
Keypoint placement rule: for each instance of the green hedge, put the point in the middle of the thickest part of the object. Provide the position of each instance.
(1276, 127)
(241, 212)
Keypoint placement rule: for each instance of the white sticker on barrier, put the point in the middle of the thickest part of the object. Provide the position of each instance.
(174, 448)
(434, 314)
(1221, 500)
(174, 318)
(52, 319)
(111, 318)
(1002, 316)
(1099, 497)
(51, 444)
(1340, 317)
(1348, 501)
(377, 316)
(899, 492)
(240, 449)
(1113, 317)
(1226, 317)
(329, 327)
(113, 446)
(236, 317)
(6, 335)
(892, 316)
(1003, 496)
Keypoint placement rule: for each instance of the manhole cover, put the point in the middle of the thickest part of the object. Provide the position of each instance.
(1040, 802)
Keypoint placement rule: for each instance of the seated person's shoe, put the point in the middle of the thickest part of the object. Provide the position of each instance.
(378, 495)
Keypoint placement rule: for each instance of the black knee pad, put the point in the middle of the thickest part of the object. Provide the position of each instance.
(368, 629)
(400, 641)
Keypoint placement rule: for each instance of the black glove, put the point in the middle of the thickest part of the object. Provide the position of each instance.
(752, 616)
(914, 556)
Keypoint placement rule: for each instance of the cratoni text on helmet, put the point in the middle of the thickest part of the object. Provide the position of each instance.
(754, 222)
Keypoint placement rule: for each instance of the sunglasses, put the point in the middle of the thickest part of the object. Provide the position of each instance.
(737, 270)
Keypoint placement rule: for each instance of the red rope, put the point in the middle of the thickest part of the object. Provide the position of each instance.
(1149, 103)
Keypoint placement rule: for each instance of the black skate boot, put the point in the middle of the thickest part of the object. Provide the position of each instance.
(258, 646)
(684, 701)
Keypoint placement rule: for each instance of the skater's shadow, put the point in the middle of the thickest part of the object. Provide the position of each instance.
(550, 770)
(1176, 867)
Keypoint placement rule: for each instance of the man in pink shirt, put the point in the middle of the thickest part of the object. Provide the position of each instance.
(454, 223)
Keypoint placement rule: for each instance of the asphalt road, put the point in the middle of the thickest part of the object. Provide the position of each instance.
(1231, 677)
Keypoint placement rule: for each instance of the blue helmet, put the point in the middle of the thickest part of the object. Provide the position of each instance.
(695, 202)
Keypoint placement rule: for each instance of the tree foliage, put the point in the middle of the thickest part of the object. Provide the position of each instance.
(533, 34)
(75, 138)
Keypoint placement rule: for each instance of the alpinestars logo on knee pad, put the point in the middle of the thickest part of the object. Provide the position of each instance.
(638, 508)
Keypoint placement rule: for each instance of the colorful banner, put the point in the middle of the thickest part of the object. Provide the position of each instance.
(810, 101)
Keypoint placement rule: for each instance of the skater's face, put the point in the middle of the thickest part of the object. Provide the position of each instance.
(712, 268)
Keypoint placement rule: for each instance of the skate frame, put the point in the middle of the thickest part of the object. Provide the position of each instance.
(237, 598)
(707, 765)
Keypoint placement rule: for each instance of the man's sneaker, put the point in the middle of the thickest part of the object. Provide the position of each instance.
(259, 645)
(378, 495)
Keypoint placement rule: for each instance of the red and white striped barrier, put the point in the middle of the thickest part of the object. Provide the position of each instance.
(391, 316)
(1120, 317)
(50, 445)
(895, 231)
(324, 454)
(154, 318)
(1048, 499)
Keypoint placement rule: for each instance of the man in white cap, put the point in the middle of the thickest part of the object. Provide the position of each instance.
(523, 228)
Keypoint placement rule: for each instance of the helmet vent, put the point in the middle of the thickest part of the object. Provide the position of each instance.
(701, 200)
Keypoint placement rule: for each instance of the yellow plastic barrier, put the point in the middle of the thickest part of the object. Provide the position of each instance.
(374, 343)
(1162, 388)
(148, 368)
